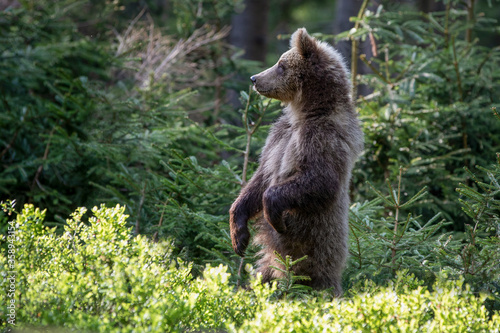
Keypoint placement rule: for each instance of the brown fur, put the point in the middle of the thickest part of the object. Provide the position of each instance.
(299, 193)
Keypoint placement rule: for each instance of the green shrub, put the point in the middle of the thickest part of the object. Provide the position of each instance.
(433, 85)
(51, 78)
(477, 256)
(76, 134)
(382, 245)
(97, 277)
(86, 118)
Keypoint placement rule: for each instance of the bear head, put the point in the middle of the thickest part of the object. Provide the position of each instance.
(310, 72)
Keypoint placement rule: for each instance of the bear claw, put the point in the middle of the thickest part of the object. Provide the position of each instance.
(240, 243)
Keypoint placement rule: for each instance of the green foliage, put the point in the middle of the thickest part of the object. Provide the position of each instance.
(77, 131)
(97, 277)
(477, 258)
(191, 14)
(382, 245)
(50, 77)
(88, 119)
(287, 285)
(433, 84)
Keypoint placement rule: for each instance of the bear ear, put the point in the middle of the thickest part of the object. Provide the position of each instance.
(305, 44)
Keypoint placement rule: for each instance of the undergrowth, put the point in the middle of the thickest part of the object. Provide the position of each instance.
(97, 277)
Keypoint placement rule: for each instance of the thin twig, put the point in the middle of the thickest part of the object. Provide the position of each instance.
(123, 38)
(44, 158)
(155, 236)
(250, 131)
(375, 70)
(446, 24)
(357, 245)
(10, 143)
(488, 56)
(461, 98)
(240, 268)
(373, 43)
(138, 221)
(192, 43)
(495, 112)
(354, 68)
(470, 20)
(396, 217)
(457, 70)
(257, 124)
(386, 58)
(403, 72)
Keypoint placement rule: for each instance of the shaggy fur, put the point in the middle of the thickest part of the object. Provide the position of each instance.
(299, 193)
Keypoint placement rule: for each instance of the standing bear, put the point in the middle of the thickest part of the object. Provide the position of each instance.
(299, 194)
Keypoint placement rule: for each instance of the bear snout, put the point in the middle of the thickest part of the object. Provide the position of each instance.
(253, 79)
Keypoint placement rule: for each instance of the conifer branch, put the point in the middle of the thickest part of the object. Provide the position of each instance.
(374, 69)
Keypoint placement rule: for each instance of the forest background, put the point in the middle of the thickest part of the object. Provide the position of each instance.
(147, 104)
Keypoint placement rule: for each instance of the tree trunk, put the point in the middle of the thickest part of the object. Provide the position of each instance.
(249, 33)
(249, 29)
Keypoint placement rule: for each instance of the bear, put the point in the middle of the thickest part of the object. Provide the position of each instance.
(299, 194)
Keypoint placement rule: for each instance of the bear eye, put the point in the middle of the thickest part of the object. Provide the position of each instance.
(281, 68)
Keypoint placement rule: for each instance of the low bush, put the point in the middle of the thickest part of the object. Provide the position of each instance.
(97, 277)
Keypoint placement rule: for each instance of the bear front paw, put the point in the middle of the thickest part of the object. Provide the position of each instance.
(240, 235)
(273, 210)
(240, 239)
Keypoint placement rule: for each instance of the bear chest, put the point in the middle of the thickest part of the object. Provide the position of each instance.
(282, 156)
